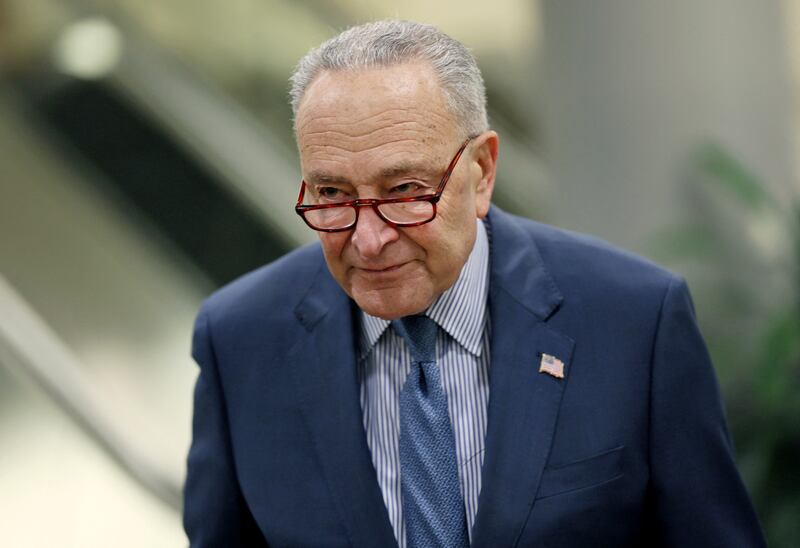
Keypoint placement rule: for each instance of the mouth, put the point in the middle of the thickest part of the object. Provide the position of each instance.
(382, 271)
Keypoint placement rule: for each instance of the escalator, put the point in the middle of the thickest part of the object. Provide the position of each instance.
(126, 196)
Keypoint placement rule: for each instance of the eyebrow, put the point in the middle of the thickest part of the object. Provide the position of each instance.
(406, 168)
(323, 177)
(390, 172)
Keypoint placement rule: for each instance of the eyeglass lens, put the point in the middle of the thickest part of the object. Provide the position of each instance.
(400, 213)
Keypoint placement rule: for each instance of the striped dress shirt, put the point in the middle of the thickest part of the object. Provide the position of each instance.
(462, 353)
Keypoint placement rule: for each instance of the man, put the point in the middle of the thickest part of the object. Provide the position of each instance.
(437, 372)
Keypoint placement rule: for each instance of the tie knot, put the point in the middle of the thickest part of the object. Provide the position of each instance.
(419, 332)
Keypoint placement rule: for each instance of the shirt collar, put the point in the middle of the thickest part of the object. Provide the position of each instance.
(460, 310)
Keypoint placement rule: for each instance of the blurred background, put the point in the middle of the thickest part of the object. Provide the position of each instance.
(146, 157)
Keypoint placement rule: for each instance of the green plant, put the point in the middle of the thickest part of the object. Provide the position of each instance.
(745, 242)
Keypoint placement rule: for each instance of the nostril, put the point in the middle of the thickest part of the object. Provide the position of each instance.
(371, 234)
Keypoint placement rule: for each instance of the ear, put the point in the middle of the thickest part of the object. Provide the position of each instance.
(485, 149)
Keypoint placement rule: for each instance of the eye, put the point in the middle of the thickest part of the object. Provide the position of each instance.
(410, 188)
(331, 194)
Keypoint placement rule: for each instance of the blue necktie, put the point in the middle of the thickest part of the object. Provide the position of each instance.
(432, 504)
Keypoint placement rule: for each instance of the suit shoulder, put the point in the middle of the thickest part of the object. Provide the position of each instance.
(276, 286)
(613, 294)
(575, 258)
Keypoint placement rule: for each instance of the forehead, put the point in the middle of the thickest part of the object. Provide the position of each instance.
(374, 113)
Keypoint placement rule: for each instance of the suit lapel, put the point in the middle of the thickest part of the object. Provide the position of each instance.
(523, 403)
(326, 376)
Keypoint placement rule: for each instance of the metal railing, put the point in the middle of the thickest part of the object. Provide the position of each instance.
(28, 345)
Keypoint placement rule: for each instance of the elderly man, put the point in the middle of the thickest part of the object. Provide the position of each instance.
(436, 372)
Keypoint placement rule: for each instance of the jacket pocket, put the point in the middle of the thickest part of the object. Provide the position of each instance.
(580, 474)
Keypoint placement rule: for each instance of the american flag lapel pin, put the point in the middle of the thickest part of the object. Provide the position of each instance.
(552, 366)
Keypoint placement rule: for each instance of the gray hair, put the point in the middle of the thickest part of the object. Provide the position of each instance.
(390, 42)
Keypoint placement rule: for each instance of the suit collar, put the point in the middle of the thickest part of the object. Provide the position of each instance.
(523, 403)
(326, 377)
(517, 266)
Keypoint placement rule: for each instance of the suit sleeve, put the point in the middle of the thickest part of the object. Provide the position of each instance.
(214, 512)
(699, 497)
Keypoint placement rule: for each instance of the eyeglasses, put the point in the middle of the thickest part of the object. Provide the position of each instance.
(397, 212)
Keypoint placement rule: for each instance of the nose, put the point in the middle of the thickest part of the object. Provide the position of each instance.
(371, 234)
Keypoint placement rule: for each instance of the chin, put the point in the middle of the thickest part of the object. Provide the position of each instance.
(392, 306)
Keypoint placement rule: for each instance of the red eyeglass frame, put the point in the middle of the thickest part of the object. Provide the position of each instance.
(301, 209)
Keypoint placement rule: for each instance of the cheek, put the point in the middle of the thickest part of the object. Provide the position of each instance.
(444, 246)
(453, 241)
(333, 245)
(459, 208)
(458, 222)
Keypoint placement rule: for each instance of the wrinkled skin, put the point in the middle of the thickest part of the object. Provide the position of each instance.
(365, 134)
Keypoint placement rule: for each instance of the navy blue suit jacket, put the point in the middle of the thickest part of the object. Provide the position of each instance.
(629, 449)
